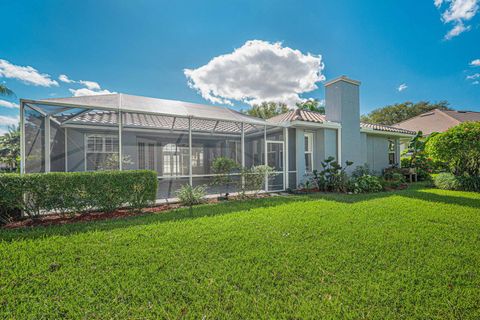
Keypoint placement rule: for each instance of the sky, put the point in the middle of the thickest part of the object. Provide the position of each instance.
(238, 53)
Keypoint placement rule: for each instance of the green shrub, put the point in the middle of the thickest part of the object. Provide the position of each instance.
(332, 177)
(11, 202)
(190, 196)
(469, 183)
(71, 192)
(459, 146)
(223, 168)
(446, 181)
(254, 178)
(366, 183)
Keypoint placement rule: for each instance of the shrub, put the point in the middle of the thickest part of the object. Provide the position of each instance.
(362, 171)
(332, 177)
(469, 183)
(190, 196)
(459, 146)
(71, 192)
(366, 183)
(254, 178)
(446, 181)
(223, 168)
(11, 201)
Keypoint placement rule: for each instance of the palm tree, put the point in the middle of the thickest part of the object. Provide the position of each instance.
(10, 147)
(4, 91)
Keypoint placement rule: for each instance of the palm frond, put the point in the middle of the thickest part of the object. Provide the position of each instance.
(4, 91)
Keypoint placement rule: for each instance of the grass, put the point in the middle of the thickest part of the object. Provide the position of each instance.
(398, 255)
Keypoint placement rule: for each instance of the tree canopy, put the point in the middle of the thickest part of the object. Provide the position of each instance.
(311, 105)
(267, 110)
(399, 112)
(459, 146)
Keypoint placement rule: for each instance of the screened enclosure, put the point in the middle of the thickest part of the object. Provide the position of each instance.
(178, 140)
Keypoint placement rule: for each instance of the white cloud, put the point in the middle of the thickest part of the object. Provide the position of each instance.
(27, 74)
(475, 63)
(8, 104)
(456, 30)
(473, 76)
(88, 92)
(92, 85)
(458, 12)
(476, 82)
(8, 121)
(64, 78)
(402, 87)
(258, 71)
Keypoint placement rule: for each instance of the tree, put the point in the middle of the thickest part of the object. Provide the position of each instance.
(311, 105)
(416, 157)
(10, 148)
(459, 146)
(4, 91)
(267, 109)
(399, 112)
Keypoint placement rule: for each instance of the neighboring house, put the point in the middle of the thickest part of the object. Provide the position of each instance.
(179, 140)
(438, 120)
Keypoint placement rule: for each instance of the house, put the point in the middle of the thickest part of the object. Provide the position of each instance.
(179, 140)
(438, 120)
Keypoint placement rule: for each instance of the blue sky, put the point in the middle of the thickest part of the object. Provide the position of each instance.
(143, 47)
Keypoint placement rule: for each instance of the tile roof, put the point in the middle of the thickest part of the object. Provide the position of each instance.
(312, 116)
(153, 121)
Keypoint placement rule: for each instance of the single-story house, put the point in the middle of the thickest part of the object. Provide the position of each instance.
(179, 140)
(437, 120)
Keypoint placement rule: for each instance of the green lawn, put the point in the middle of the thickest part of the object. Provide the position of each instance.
(406, 254)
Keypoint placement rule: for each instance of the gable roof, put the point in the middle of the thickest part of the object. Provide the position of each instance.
(126, 102)
(438, 120)
(316, 117)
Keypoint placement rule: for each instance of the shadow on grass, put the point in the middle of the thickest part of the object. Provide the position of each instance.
(416, 191)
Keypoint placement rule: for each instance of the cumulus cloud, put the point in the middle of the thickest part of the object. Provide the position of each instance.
(402, 87)
(8, 104)
(64, 78)
(26, 74)
(258, 71)
(92, 85)
(88, 92)
(475, 63)
(457, 13)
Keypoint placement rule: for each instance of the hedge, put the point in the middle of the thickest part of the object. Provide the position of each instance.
(71, 192)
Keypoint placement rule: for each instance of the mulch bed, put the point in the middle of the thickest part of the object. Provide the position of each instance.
(58, 219)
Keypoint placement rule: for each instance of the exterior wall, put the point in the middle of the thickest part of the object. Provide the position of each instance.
(324, 146)
(300, 154)
(377, 152)
(343, 105)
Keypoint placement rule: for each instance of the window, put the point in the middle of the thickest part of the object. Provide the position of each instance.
(391, 152)
(308, 152)
(175, 160)
(146, 155)
(102, 152)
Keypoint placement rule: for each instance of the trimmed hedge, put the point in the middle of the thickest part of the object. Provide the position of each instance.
(71, 192)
